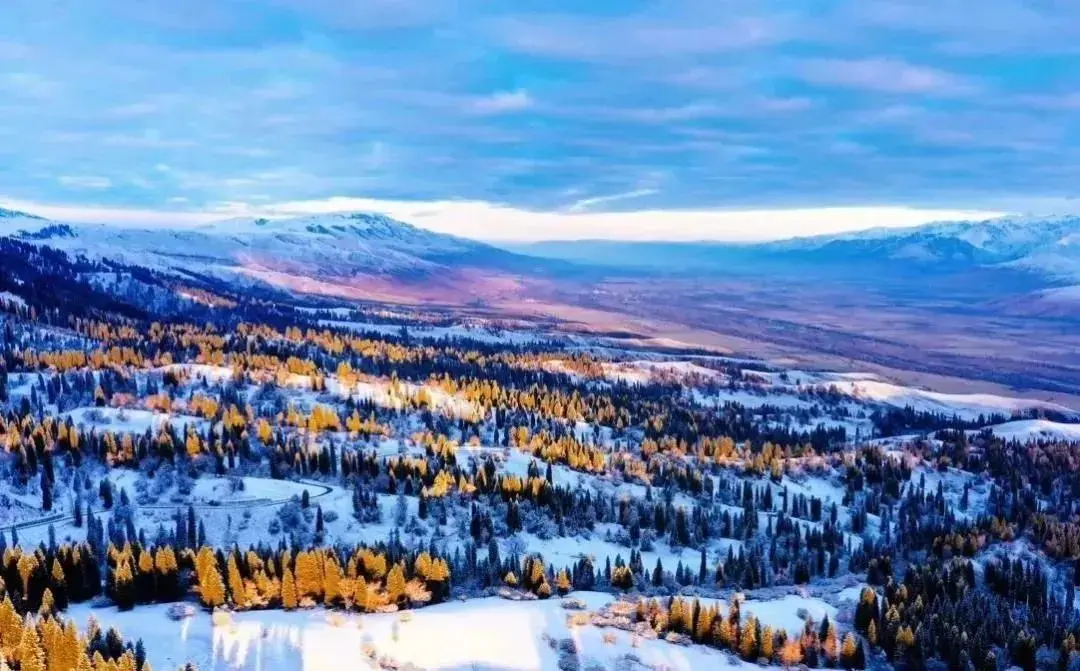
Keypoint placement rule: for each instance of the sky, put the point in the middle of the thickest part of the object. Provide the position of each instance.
(682, 119)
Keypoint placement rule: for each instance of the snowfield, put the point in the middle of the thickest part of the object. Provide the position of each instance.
(458, 332)
(124, 420)
(197, 371)
(967, 406)
(490, 634)
(1036, 429)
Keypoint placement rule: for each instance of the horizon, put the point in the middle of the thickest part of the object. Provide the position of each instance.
(697, 113)
(454, 219)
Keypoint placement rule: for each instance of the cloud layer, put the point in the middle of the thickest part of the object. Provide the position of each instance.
(563, 108)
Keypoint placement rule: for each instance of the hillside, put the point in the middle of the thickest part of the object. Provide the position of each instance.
(320, 247)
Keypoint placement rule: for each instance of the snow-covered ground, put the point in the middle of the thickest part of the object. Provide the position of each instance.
(784, 613)
(952, 482)
(232, 510)
(1036, 429)
(490, 634)
(10, 300)
(967, 406)
(479, 334)
(200, 371)
(645, 372)
(124, 420)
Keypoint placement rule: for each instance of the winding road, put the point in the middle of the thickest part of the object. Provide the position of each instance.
(238, 505)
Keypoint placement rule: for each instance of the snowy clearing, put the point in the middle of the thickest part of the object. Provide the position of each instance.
(500, 634)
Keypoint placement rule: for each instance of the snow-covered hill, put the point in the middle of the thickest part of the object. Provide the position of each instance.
(1045, 245)
(337, 245)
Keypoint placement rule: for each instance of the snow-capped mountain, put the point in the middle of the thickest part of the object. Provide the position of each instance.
(327, 245)
(1045, 245)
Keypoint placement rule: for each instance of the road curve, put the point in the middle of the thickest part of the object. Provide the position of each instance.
(240, 505)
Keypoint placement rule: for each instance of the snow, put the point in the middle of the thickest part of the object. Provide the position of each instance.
(851, 594)
(564, 551)
(9, 299)
(784, 612)
(645, 372)
(255, 490)
(967, 406)
(952, 483)
(234, 248)
(489, 633)
(750, 399)
(122, 420)
(1037, 429)
(200, 371)
(461, 331)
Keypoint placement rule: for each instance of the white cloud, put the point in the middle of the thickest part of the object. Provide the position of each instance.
(503, 102)
(884, 75)
(95, 214)
(586, 203)
(84, 181)
(488, 221)
(498, 223)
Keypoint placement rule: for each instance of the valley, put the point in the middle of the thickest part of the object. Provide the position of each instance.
(866, 307)
(207, 467)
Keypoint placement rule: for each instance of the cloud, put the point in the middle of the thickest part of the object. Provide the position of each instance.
(884, 75)
(101, 214)
(635, 37)
(503, 102)
(739, 106)
(84, 181)
(587, 203)
(499, 223)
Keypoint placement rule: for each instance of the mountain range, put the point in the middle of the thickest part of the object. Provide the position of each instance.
(943, 298)
(1043, 250)
(1048, 247)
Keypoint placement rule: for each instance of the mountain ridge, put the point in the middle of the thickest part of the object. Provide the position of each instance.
(319, 246)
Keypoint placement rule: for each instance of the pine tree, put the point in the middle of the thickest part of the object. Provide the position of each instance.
(46, 492)
(237, 592)
(58, 585)
(123, 587)
(288, 589)
(48, 603)
(767, 640)
(831, 644)
(10, 625)
(210, 586)
(748, 643)
(331, 580)
(309, 575)
(849, 652)
(790, 653)
(562, 582)
(395, 584)
(29, 653)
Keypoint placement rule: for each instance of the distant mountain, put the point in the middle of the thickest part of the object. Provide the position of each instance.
(15, 214)
(1048, 247)
(321, 246)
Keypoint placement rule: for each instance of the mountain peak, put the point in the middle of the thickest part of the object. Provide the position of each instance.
(16, 214)
(336, 224)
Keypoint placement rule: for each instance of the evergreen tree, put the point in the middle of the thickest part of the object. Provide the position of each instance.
(210, 586)
(46, 492)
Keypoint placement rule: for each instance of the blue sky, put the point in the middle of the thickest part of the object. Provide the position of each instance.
(146, 107)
